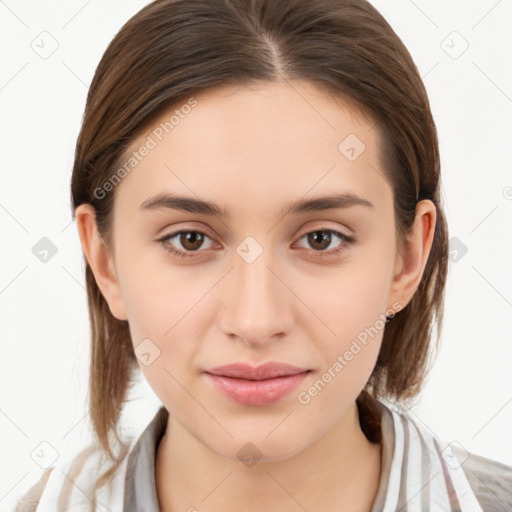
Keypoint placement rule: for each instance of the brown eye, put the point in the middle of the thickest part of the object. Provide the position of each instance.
(321, 239)
(186, 244)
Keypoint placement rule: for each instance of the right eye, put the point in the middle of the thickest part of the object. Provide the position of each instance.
(190, 244)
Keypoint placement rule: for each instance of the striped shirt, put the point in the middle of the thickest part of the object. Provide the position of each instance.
(419, 473)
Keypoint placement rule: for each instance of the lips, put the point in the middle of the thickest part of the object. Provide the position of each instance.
(265, 371)
(256, 386)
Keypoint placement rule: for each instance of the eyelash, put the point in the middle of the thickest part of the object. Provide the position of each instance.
(346, 239)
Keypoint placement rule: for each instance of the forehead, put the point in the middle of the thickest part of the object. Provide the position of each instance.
(265, 143)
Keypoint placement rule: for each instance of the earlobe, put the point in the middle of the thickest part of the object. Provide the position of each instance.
(411, 264)
(100, 260)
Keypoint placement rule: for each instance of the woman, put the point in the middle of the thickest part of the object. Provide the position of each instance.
(257, 192)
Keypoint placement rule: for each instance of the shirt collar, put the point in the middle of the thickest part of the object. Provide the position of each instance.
(140, 484)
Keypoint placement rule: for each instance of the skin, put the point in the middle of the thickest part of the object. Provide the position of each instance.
(252, 150)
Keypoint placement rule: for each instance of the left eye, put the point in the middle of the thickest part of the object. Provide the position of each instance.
(320, 239)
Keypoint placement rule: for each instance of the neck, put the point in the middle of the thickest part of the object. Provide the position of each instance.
(339, 471)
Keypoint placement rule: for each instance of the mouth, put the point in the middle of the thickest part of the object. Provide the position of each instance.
(265, 371)
(256, 386)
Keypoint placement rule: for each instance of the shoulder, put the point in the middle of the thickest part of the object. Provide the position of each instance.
(476, 480)
(29, 501)
(88, 474)
(73, 466)
(490, 480)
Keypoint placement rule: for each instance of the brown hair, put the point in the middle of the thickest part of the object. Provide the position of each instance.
(172, 49)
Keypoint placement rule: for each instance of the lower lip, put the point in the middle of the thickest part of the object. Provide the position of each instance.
(256, 392)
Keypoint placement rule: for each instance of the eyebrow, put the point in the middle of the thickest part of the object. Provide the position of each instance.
(190, 204)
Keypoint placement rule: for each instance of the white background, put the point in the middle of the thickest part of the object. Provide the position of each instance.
(44, 323)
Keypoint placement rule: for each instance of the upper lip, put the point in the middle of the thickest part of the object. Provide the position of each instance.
(265, 371)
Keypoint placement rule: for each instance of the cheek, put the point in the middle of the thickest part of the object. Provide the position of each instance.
(349, 298)
(351, 304)
(348, 354)
(160, 326)
(157, 295)
(164, 315)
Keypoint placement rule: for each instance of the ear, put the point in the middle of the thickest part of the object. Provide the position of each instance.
(100, 260)
(410, 263)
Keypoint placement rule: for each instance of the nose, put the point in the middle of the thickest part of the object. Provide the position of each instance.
(257, 306)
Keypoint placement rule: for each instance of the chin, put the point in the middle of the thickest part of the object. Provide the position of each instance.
(255, 448)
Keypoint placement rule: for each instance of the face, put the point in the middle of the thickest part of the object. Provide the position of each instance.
(251, 283)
